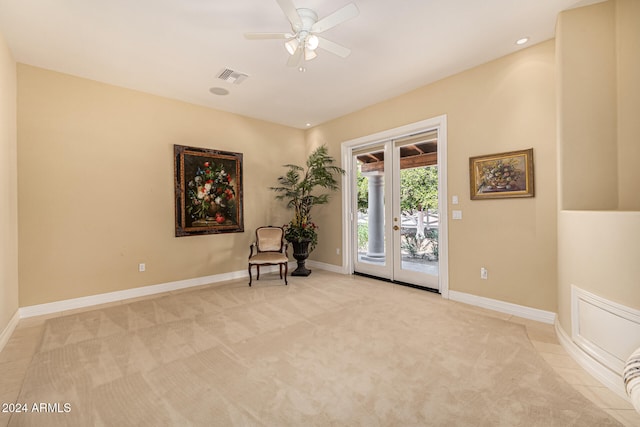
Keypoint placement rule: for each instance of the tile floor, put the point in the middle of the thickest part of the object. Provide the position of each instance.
(544, 339)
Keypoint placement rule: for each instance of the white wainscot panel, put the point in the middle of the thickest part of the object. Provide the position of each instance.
(607, 331)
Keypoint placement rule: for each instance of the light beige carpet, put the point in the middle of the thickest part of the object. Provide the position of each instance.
(328, 350)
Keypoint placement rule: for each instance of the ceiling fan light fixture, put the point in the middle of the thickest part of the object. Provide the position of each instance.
(312, 42)
(309, 54)
(292, 45)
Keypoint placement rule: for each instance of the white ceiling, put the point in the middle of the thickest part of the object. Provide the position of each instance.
(176, 48)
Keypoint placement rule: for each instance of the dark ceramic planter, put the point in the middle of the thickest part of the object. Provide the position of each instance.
(301, 253)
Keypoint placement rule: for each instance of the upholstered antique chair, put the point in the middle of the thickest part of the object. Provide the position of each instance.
(270, 249)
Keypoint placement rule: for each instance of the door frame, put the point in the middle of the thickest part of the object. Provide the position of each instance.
(438, 123)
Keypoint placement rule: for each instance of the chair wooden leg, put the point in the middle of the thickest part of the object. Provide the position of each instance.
(280, 268)
(249, 274)
(258, 275)
(286, 270)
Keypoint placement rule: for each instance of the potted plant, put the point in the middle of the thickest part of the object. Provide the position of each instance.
(298, 188)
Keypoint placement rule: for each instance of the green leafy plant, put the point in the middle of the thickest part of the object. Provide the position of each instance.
(363, 236)
(414, 244)
(419, 189)
(298, 187)
(304, 232)
(432, 236)
(421, 246)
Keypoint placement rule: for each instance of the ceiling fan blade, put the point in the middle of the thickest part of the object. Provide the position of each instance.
(337, 17)
(263, 36)
(290, 11)
(333, 47)
(295, 59)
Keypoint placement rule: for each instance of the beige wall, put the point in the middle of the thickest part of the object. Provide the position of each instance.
(628, 65)
(95, 169)
(8, 188)
(599, 99)
(588, 153)
(504, 105)
(598, 251)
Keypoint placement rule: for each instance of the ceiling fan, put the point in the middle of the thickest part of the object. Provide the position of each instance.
(303, 40)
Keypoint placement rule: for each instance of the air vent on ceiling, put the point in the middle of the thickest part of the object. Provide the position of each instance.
(232, 76)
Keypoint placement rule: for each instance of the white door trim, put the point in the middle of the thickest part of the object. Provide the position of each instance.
(439, 123)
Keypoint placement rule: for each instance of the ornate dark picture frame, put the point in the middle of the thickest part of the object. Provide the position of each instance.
(208, 191)
(502, 175)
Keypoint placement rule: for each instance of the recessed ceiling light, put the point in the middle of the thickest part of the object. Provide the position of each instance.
(308, 125)
(219, 91)
(522, 41)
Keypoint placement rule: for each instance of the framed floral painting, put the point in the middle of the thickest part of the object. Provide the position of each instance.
(208, 191)
(502, 175)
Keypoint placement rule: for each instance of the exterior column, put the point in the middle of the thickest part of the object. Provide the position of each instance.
(375, 250)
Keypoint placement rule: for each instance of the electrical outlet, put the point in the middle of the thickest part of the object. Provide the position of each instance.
(483, 273)
(337, 251)
(142, 267)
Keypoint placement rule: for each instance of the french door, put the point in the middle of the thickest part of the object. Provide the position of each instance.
(395, 216)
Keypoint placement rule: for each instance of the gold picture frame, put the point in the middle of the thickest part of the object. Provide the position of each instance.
(502, 175)
(208, 191)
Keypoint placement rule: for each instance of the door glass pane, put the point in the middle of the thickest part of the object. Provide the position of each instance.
(419, 219)
(371, 209)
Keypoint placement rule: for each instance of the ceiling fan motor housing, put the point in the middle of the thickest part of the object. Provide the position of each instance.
(307, 17)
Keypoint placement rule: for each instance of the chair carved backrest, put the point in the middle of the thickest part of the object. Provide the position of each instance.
(270, 250)
(269, 239)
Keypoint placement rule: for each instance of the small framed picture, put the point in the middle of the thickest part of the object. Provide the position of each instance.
(502, 175)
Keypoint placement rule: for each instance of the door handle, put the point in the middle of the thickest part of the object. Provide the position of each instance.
(395, 227)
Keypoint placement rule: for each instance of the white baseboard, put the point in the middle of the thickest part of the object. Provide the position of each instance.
(8, 330)
(328, 267)
(88, 301)
(504, 307)
(606, 376)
